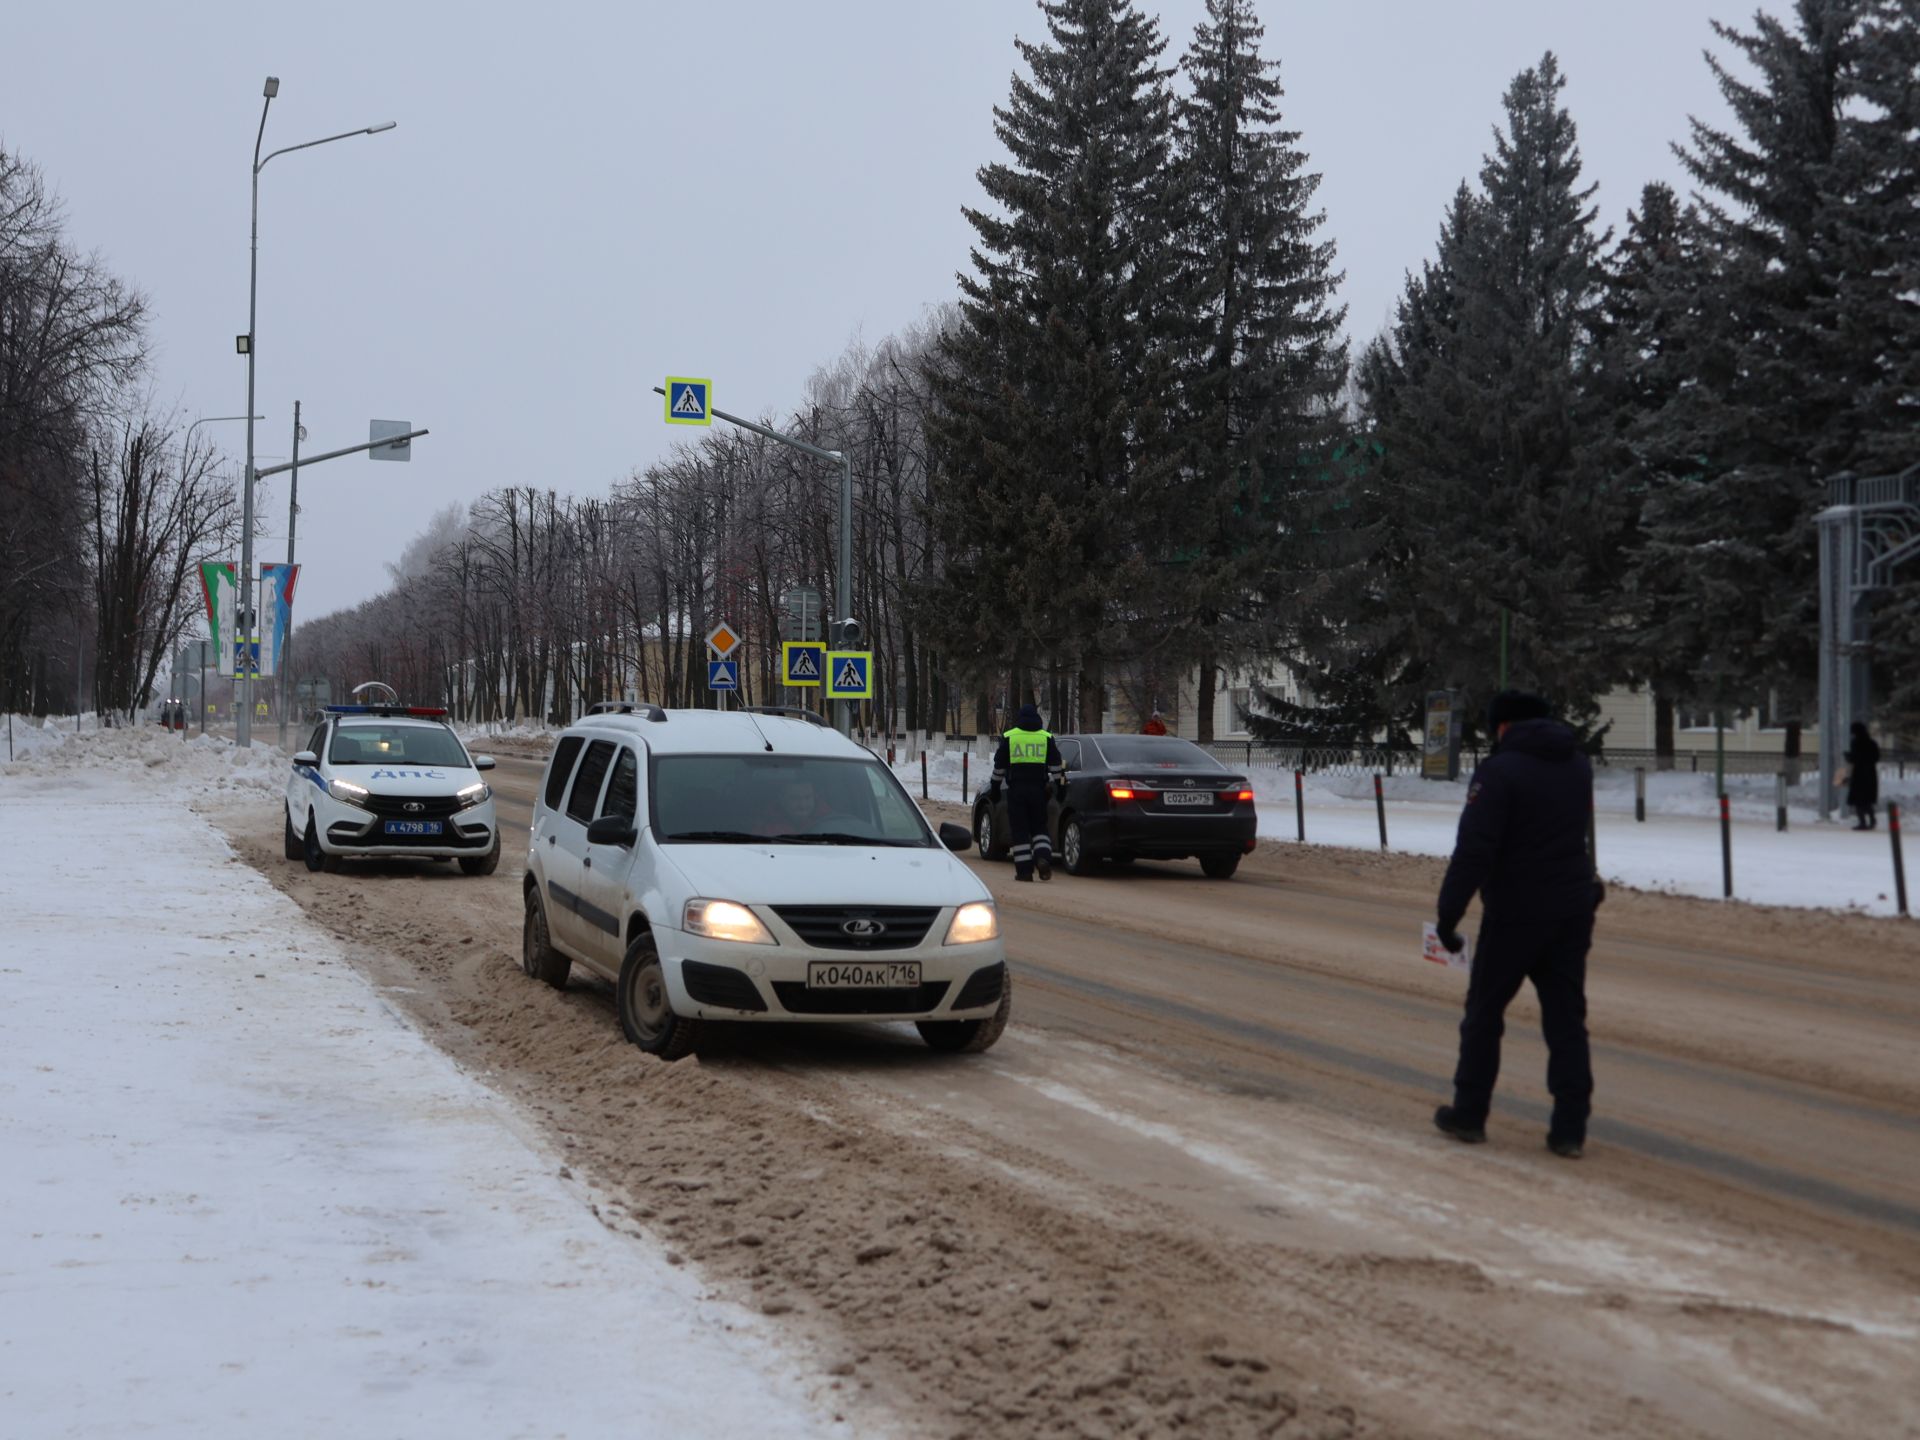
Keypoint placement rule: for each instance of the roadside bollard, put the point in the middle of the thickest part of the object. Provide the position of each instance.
(1640, 794)
(1726, 849)
(923, 774)
(1300, 803)
(1780, 802)
(1380, 806)
(965, 784)
(1899, 864)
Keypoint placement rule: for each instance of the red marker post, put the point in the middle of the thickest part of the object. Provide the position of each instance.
(1380, 805)
(965, 784)
(1300, 803)
(1899, 865)
(1726, 849)
(923, 774)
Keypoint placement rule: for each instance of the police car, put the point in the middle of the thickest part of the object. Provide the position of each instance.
(754, 866)
(390, 780)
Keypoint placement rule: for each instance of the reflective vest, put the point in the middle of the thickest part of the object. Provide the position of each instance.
(1027, 747)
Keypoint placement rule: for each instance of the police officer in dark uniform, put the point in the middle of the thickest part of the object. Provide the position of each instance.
(1026, 762)
(1522, 845)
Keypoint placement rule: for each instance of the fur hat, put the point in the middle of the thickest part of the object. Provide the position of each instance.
(1510, 706)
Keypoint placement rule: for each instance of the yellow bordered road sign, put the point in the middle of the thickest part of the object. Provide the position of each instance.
(849, 675)
(803, 663)
(689, 400)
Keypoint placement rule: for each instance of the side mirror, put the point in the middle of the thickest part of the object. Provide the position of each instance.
(612, 830)
(483, 762)
(955, 837)
(306, 757)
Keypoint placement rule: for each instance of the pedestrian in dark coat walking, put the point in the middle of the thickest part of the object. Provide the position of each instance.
(1522, 845)
(1863, 777)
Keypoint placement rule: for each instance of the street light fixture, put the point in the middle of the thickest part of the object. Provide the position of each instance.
(249, 591)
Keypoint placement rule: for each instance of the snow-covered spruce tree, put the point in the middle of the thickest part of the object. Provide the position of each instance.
(1265, 357)
(1055, 478)
(1788, 336)
(1484, 492)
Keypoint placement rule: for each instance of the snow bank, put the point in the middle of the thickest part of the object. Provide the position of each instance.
(242, 1197)
(166, 763)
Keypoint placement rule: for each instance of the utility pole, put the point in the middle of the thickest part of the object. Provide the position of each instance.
(283, 659)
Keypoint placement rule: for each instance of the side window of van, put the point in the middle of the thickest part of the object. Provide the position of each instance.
(564, 754)
(623, 791)
(586, 784)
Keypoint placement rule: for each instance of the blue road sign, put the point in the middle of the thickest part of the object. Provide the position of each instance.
(723, 674)
(803, 663)
(689, 400)
(849, 675)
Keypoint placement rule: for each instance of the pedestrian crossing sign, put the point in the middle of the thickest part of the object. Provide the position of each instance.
(803, 662)
(849, 675)
(689, 401)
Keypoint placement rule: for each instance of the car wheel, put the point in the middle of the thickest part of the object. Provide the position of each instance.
(969, 1037)
(295, 849)
(483, 864)
(310, 851)
(646, 1014)
(1220, 867)
(987, 835)
(537, 955)
(1073, 847)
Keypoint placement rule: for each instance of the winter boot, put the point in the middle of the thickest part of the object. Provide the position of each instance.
(1449, 1121)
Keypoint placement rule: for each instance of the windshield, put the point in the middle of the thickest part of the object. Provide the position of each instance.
(396, 745)
(1158, 750)
(789, 799)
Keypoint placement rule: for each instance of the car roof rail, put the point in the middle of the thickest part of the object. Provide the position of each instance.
(627, 707)
(797, 712)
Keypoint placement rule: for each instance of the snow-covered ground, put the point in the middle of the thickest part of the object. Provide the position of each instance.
(1677, 848)
(241, 1197)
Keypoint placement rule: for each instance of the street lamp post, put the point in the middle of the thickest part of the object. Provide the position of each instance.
(249, 589)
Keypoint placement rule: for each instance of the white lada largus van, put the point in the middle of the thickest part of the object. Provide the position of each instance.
(751, 866)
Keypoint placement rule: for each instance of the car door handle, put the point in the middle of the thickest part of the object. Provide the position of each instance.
(549, 839)
(588, 862)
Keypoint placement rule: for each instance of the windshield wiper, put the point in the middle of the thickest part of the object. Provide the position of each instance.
(837, 837)
(727, 837)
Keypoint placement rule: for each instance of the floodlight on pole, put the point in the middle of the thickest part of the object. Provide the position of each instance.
(249, 590)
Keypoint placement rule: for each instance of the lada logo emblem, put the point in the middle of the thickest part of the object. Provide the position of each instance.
(413, 807)
(862, 927)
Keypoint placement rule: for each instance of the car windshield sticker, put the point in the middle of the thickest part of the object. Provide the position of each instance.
(407, 775)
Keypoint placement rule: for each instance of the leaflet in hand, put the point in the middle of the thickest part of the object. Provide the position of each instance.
(1432, 950)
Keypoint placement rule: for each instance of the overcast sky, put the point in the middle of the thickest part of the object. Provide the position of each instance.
(582, 198)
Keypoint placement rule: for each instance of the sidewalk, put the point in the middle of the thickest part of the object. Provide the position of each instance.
(241, 1197)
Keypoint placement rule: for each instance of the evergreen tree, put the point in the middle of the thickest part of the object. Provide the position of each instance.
(1265, 358)
(1485, 496)
(1055, 475)
(1785, 335)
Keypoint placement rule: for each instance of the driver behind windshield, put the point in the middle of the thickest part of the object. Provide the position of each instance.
(792, 810)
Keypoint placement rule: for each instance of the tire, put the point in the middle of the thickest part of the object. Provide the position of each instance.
(1074, 857)
(482, 864)
(296, 850)
(969, 1037)
(310, 851)
(537, 955)
(987, 836)
(1220, 867)
(646, 1014)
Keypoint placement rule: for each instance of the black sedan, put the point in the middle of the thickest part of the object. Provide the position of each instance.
(1135, 797)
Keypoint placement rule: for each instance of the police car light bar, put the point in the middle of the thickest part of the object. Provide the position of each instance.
(424, 711)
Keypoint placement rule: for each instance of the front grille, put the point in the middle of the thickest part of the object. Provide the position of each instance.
(823, 926)
(911, 1000)
(720, 985)
(346, 832)
(982, 988)
(394, 807)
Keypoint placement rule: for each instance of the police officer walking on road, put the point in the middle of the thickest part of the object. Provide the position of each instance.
(1522, 845)
(1026, 762)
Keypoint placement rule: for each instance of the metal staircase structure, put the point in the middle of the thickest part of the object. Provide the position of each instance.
(1870, 528)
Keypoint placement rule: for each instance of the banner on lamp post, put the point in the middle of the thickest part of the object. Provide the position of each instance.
(222, 595)
(276, 613)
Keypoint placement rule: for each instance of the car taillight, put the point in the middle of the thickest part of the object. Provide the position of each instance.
(1231, 795)
(1120, 792)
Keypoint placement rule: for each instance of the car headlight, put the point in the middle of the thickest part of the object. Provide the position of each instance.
(724, 920)
(974, 923)
(472, 795)
(346, 790)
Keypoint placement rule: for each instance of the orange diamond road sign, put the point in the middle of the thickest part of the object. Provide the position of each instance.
(723, 640)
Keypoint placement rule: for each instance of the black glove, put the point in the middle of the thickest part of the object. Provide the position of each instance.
(1060, 789)
(1452, 939)
(993, 791)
